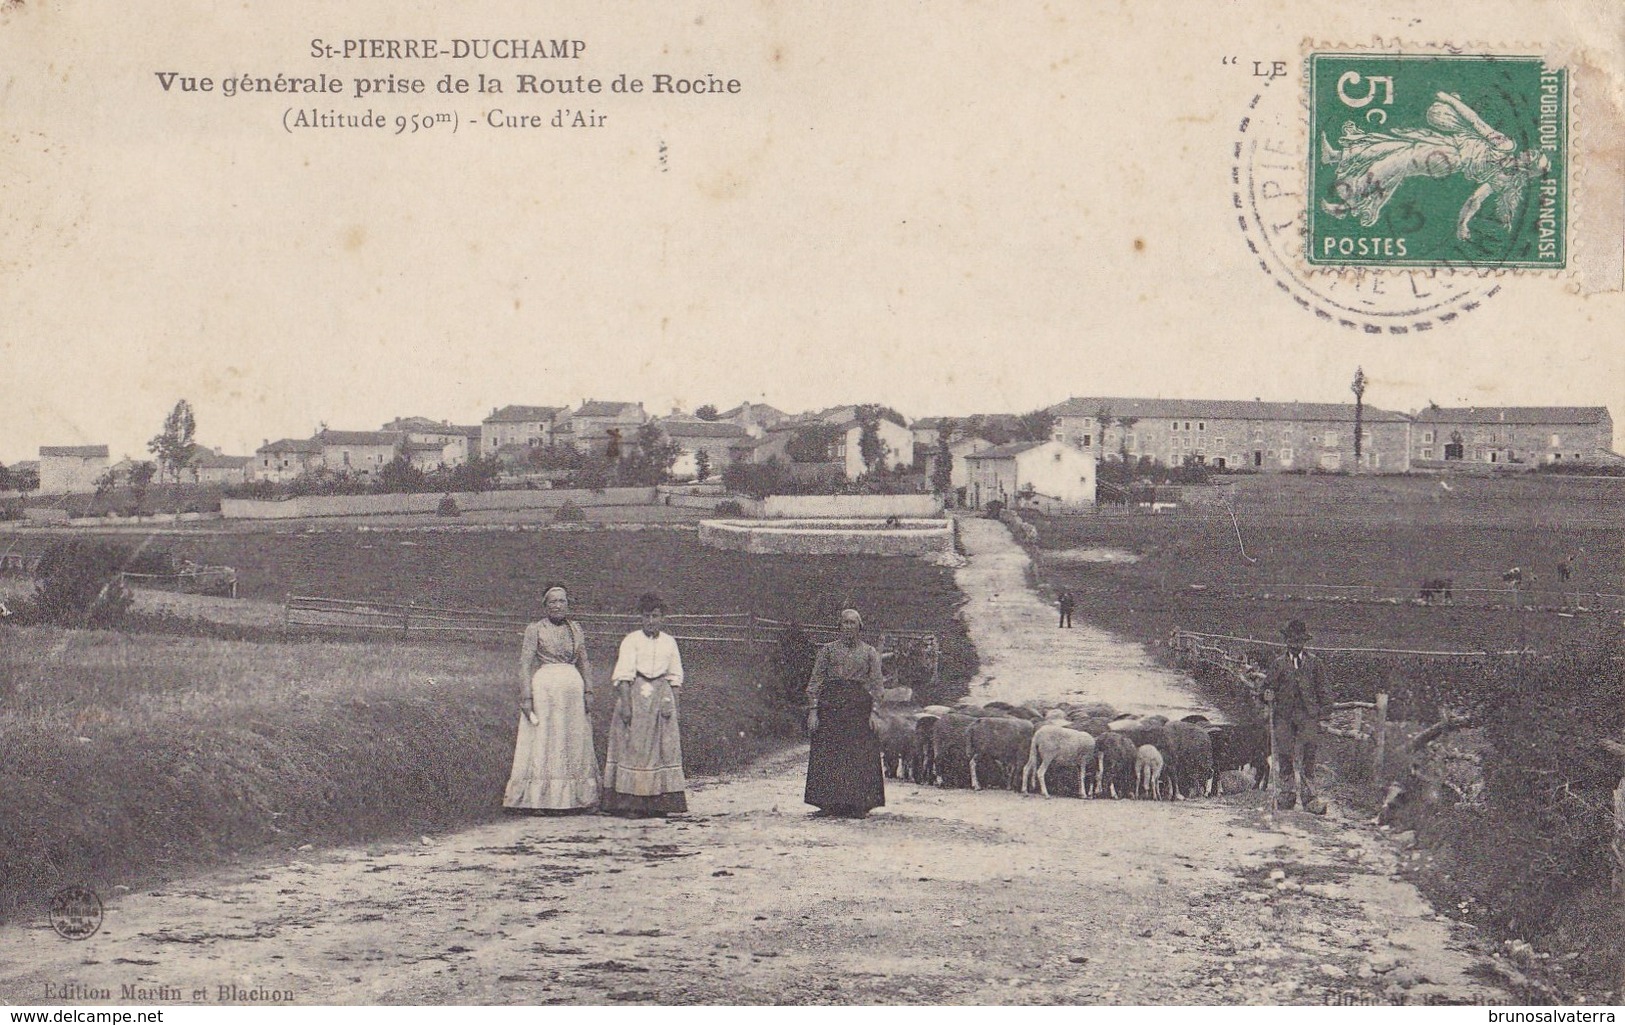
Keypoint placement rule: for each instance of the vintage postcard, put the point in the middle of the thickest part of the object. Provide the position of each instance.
(815, 503)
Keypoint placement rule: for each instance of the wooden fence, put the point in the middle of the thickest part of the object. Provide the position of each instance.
(744, 629)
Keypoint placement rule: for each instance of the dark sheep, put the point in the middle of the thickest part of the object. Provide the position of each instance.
(948, 756)
(1114, 762)
(1006, 740)
(1236, 746)
(1192, 769)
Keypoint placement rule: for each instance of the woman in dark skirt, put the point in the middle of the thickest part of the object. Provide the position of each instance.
(843, 768)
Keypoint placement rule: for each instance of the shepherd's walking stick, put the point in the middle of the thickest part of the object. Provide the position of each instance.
(1270, 800)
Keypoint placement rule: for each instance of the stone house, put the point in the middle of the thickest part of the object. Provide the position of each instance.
(1512, 435)
(1051, 476)
(70, 469)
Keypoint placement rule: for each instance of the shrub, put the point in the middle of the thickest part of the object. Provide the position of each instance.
(793, 664)
(447, 507)
(78, 582)
(730, 508)
(569, 512)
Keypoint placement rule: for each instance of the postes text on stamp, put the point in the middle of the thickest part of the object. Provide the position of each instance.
(1437, 160)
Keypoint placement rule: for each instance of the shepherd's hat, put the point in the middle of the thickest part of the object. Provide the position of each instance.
(1296, 631)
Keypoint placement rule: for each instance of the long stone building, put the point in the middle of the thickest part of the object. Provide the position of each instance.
(1512, 434)
(1232, 434)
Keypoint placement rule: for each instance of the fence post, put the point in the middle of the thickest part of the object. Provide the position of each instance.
(1619, 842)
(1380, 731)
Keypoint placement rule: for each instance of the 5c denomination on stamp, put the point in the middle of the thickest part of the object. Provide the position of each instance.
(1437, 160)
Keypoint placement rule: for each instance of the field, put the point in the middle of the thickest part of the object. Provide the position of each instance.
(1392, 533)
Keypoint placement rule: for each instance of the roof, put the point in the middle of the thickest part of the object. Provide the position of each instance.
(390, 438)
(420, 425)
(424, 446)
(931, 423)
(1515, 415)
(74, 451)
(1010, 451)
(295, 445)
(1224, 409)
(597, 408)
(699, 429)
(524, 414)
(468, 430)
(756, 409)
(210, 461)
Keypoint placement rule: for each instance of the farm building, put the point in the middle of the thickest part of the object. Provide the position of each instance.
(518, 425)
(1048, 475)
(211, 466)
(1227, 433)
(843, 435)
(286, 459)
(1512, 435)
(692, 437)
(362, 453)
(958, 450)
(67, 469)
(755, 417)
(449, 442)
(594, 420)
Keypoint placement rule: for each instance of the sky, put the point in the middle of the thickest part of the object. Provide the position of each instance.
(948, 208)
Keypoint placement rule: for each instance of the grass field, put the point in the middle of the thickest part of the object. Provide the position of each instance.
(129, 757)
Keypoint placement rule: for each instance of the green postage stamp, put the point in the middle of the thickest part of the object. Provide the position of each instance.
(1437, 161)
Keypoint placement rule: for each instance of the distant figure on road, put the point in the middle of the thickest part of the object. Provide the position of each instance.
(554, 766)
(1565, 567)
(1066, 604)
(643, 773)
(1299, 696)
(843, 767)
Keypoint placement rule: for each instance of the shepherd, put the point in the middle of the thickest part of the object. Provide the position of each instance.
(1299, 696)
(643, 772)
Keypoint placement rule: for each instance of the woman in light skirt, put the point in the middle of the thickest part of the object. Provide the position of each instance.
(554, 766)
(643, 776)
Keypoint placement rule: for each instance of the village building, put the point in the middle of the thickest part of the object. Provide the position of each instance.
(1512, 435)
(1236, 434)
(283, 460)
(436, 442)
(212, 466)
(528, 426)
(757, 418)
(360, 453)
(1049, 476)
(692, 436)
(70, 469)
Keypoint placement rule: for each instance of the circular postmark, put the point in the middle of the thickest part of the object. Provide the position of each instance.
(76, 912)
(1269, 176)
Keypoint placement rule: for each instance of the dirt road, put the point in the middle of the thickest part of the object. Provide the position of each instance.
(943, 896)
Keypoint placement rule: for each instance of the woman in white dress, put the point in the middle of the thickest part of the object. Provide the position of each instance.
(643, 774)
(554, 766)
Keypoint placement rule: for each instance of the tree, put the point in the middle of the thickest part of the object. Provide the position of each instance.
(702, 464)
(942, 475)
(1039, 425)
(478, 474)
(399, 476)
(141, 475)
(612, 450)
(871, 448)
(174, 445)
(652, 458)
(79, 583)
(708, 413)
(5, 478)
(26, 479)
(1357, 386)
(1104, 417)
(813, 442)
(105, 484)
(1125, 424)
